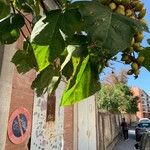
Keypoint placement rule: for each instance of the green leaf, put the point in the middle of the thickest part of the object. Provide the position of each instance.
(148, 41)
(146, 54)
(43, 79)
(47, 39)
(24, 59)
(107, 29)
(9, 28)
(53, 84)
(82, 84)
(46, 28)
(41, 55)
(71, 22)
(70, 50)
(4, 9)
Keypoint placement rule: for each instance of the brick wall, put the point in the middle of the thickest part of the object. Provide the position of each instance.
(22, 96)
(68, 128)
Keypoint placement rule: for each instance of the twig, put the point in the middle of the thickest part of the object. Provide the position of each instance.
(24, 36)
(24, 16)
(58, 3)
(43, 6)
(12, 6)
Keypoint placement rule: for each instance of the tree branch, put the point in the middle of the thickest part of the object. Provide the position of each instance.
(43, 6)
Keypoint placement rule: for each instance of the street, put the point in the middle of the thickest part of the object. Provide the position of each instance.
(128, 144)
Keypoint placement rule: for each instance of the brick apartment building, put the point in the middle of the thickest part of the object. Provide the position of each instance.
(143, 103)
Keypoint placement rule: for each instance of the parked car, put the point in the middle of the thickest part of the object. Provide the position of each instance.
(141, 128)
(144, 120)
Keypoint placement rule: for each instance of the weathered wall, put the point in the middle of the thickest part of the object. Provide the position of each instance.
(108, 130)
(47, 135)
(85, 125)
(68, 127)
(22, 96)
(6, 78)
(145, 142)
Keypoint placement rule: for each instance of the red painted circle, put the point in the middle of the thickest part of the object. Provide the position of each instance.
(19, 126)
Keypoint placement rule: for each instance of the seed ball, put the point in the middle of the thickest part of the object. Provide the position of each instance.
(136, 46)
(128, 12)
(139, 37)
(142, 14)
(134, 66)
(140, 59)
(118, 1)
(139, 6)
(136, 72)
(112, 6)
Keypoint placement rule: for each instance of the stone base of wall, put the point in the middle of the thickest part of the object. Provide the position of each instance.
(114, 142)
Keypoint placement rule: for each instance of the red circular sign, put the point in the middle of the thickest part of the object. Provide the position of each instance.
(19, 126)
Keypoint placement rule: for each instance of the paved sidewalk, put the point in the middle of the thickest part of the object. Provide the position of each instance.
(128, 144)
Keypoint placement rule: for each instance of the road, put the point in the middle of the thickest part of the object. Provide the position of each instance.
(128, 144)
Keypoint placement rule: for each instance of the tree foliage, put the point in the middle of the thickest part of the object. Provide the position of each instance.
(74, 41)
(116, 96)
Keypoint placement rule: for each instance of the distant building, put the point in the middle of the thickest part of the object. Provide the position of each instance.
(143, 102)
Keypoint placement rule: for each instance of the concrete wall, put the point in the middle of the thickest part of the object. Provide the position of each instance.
(108, 130)
(145, 142)
(47, 135)
(85, 125)
(6, 78)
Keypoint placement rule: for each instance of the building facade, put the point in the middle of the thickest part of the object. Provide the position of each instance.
(143, 103)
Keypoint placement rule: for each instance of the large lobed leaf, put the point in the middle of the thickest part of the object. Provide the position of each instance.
(4, 9)
(107, 29)
(44, 79)
(50, 31)
(25, 59)
(146, 53)
(82, 84)
(9, 28)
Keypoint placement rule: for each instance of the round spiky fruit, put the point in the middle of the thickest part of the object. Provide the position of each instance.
(120, 9)
(134, 3)
(118, 1)
(140, 59)
(139, 37)
(125, 57)
(132, 17)
(130, 49)
(139, 49)
(142, 14)
(112, 6)
(136, 72)
(139, 6)
(126, 2)
(129, 60)
(134, 66)
(136, 46)
(129, 12)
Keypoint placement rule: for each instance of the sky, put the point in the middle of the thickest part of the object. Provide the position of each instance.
(143, 81)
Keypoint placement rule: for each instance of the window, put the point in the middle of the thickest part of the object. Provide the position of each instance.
(142, 125)
(51, 104)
